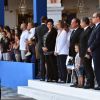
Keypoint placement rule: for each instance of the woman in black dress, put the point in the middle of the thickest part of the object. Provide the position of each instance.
(49, 47)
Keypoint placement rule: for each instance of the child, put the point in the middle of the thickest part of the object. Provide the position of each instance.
(79, 68)
(31, 51)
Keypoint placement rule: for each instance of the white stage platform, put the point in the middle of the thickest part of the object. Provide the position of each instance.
(55, 91)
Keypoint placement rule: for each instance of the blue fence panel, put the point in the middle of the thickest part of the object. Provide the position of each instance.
(13, 74)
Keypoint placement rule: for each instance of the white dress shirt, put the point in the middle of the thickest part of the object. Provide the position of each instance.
(86, 28)
(23, 39)
(62, 43)
(97, 24)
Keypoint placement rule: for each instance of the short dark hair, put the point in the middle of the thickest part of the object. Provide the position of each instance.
(77, 21)
(50, 20)
(31, 23)
(86, 20)
(43, 19)
(97, 14)
(35, 24)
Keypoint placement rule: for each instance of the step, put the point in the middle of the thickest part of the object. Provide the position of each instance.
(39, 94)
(16, 98)
(64, 89)
(56, 91)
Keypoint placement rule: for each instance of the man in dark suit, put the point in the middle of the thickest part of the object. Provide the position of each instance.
(94, 46)
(74, 39)
(86, 59)
(75, 36)
(40, 32)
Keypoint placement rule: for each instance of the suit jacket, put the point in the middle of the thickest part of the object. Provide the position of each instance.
(84, 41)
(75, 38)
(39, 33)
(94, 40)
(51, 40)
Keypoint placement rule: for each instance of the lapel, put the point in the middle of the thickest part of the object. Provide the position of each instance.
(93, 34)
(73, 32)
(86, 31)
(98, 26)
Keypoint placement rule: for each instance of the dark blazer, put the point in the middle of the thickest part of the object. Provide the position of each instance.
(94, 40)
(39, 33)
(51, 40)
(84, 41)
(75, 38)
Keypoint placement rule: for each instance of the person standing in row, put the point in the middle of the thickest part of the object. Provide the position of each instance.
(16, 48)
(94, 47)
(74, 39)
(5, 44)
(61, 51)
(23, 41)
(39, 33)
(49, 47)
(86, 58)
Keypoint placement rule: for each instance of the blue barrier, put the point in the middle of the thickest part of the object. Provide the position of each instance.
(13, 74)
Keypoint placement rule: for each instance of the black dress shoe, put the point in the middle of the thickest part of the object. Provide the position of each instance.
(49, 80)
(62, 82)
(88, 87)
(42, 79)
(68, 81)
(74, 85)
(79, 86)
(55, 81)
(97, 88)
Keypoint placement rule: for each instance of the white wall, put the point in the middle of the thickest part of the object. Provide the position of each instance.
(54, 11)
(10, 18)
(11, 15)
(91, 6)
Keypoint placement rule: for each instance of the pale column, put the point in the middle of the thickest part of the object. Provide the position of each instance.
(54, 10)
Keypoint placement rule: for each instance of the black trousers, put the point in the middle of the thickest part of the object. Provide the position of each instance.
(52, 70)
(42, 66)
(62, 70)
(87, 63)
(96, 60)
